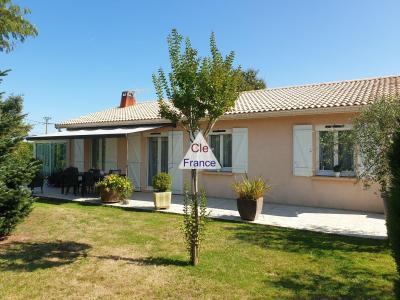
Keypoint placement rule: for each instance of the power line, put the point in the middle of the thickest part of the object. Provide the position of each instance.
(46, 122)
(38, 122)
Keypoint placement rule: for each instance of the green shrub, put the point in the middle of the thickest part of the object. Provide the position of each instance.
(120, 184)
(17, 167)
(250, 189)
(336, 168)
(162, 182)
(393, 203)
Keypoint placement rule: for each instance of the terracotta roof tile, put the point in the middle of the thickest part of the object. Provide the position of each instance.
(325, 95)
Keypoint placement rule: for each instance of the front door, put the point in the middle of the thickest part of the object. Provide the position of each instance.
(157, 157)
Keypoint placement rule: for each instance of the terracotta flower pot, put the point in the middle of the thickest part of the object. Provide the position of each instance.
(250, 209)
(162, 200)
(109, 196)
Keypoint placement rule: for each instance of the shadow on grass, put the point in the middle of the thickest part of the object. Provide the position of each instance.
(302, 241)
(154, 261)
(344, 281)
(352, 283)
(54, 201)
(24, 256)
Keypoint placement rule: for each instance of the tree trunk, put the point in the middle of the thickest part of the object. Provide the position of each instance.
(194, 247)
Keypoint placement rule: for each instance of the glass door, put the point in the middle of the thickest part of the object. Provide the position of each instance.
(52, 155)
(157, 157)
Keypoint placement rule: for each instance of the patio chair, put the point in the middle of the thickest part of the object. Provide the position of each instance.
(70, 178)
(115, 171)
(37, 181)
(98, 176)
(88, 183)
(55, 178)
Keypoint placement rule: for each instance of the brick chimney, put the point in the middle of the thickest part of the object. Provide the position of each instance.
(127, 99)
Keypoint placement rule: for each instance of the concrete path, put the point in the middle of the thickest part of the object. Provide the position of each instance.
(326, 220)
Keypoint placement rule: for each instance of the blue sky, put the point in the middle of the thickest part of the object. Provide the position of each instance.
(87, 52)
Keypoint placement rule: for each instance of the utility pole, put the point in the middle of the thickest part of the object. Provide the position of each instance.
(46, 122)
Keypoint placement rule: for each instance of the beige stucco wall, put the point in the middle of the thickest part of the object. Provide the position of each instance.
(270, 152)
(270, 155)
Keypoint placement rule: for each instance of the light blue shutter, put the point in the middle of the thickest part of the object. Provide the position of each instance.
(175, 155)
(240, 150)
(302, 150)
(134, 159)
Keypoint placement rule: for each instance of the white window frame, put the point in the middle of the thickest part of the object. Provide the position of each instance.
(221, 133)
(333, 128)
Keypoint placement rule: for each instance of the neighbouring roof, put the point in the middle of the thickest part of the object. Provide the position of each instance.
(341, 94)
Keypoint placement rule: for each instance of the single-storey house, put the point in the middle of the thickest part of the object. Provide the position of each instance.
(276, 133)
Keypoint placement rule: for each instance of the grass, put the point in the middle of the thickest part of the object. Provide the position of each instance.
(74, 251)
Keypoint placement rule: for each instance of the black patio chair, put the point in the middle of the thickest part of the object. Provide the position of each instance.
(88, 183)
(115, 171)
(55, 178)
(70, 178)
(98, 176)
(37, 181)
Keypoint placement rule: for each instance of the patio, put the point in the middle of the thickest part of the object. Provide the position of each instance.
(343, 222)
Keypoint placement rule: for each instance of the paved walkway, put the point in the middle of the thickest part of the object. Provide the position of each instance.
(326, 220)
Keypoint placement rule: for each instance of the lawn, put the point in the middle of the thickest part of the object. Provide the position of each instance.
(75, 251)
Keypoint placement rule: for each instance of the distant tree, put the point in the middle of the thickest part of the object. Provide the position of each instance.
(200, 90)
(13, 25)
(250, 81)
(17, 167)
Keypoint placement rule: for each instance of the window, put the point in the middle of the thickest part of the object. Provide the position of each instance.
(98, 153)
(335, 148)
(221, 146)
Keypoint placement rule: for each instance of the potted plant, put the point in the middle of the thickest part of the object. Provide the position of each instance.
(114, 188)
(250, 197)
(162, 186)
(336, 170)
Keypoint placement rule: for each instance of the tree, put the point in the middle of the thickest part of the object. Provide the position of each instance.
(373, 132)
(250, 81)
(200, 91)
(393, 205)
(13, 25)
(16, 171)
(376, 132)
(17, 167)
